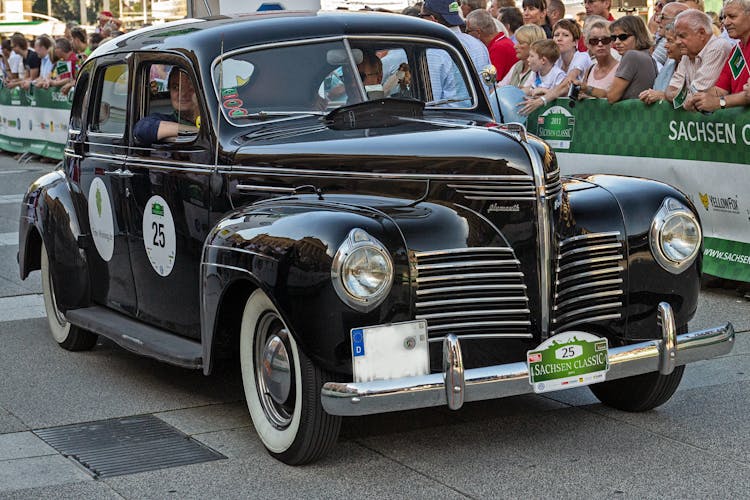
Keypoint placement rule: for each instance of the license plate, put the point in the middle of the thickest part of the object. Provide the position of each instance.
(385, 352)
(567, 360)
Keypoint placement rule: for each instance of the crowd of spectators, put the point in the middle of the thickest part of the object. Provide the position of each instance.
(692, 59)
(45, 62)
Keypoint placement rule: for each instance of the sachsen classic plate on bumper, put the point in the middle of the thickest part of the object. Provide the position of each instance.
(455, 386)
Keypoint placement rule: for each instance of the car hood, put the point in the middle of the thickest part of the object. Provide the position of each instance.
(416, 147)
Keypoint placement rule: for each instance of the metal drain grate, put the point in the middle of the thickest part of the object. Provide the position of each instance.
(127, 445)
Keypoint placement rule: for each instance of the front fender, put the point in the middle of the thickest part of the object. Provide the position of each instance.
(648, 283)
(48, 215)
(286, 248)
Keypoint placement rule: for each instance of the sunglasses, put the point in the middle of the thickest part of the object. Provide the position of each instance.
(596, 41)
(622, 37)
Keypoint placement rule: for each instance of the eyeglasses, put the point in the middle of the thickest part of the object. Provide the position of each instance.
(596, 41)
(622, 37)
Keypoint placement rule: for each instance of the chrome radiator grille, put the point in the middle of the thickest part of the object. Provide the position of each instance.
(589, 284)
(472, 293)
(553, 184)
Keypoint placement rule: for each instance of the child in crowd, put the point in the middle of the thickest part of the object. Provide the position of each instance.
(542, 57)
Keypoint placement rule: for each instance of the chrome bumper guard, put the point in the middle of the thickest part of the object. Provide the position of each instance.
(455, 385)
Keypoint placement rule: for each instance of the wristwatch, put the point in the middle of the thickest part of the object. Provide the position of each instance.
(722, 102)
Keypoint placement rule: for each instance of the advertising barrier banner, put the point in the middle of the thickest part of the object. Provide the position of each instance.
(707, 156)
(34, 121)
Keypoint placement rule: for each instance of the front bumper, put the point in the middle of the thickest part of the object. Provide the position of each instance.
(455, 385)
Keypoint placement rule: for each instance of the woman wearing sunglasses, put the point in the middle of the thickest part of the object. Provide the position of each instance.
(601, 74)
(637, 69)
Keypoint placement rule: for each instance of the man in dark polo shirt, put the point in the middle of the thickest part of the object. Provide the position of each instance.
(31, 61)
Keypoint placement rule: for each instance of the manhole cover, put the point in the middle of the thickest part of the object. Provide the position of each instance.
(127, 445)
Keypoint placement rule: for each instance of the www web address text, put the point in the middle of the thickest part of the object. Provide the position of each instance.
(727, 256)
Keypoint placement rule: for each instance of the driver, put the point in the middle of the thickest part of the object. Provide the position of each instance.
(182, 121)
(371, 73)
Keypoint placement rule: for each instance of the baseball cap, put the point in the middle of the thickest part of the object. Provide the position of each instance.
(449, 9)
(106, 13)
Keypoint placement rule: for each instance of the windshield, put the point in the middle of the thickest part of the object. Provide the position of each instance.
(320, 77)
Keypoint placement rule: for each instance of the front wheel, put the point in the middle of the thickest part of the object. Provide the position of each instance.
(67, 336)
(282, 387)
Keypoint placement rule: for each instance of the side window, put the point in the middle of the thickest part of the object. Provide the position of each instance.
(80, 91)
(109, 110)
(446, 80)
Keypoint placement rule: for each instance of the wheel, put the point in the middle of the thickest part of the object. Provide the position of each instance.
(282, 387)
(68, 336)
(640, 392)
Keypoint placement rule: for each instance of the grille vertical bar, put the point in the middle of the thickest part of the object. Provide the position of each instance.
(472, 293)
(589, 280)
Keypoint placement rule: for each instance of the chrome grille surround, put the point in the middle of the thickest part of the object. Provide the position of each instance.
(589, 280)
(553, 184)
(471, 293)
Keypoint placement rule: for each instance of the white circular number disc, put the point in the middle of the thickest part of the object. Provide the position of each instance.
(158, 235)
(100, 219)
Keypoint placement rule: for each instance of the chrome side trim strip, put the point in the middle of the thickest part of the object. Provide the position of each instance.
(477, 300)
(590, 296)
(511, 379)
(590, 236)
(463, 264)
(589, 319)
(267, 189)
(527, 183)
(451, 289)
(584, 310)
(469, 324)
(240, 250)
(502, 198)
(481, 336)
(459, 251)
(452, 277)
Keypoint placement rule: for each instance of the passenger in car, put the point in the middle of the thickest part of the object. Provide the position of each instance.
(183, 120)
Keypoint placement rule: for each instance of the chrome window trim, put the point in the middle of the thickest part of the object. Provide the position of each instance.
(344, 39)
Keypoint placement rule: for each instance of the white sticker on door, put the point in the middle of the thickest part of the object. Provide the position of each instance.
(100, 219)
(159, 235)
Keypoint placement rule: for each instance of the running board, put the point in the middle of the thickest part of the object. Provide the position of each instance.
(137, 337)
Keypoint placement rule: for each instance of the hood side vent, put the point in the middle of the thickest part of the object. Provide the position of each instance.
(472, 293)
(516, 188)
(589, 280)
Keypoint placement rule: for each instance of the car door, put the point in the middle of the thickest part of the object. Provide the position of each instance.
(169, 207)
(103, 180)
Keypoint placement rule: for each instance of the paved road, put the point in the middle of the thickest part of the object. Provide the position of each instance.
(563, 444)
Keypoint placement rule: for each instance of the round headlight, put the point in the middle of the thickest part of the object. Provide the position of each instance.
(362, 271)
(675, 236)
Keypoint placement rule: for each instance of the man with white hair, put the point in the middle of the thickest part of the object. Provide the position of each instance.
(479, 24)
(703, 56)
(734, 74)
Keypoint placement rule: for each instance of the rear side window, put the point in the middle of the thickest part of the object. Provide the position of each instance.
(109, 109)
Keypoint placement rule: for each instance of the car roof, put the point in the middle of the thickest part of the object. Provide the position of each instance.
(212, 36)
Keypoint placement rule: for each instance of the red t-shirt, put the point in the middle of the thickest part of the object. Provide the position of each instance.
(726, 81)
(502, 54)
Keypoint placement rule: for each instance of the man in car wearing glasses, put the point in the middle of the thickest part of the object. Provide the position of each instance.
(182, 121)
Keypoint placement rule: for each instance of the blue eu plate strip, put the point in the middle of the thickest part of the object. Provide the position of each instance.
(358, 342)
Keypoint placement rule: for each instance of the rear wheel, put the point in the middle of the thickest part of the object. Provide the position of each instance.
(68, 336)
(641, 392)
(282, 387)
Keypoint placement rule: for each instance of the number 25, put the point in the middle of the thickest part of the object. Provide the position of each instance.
(158, 234)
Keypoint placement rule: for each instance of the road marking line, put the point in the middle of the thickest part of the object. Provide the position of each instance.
(22, 307)
(8, 239)
(16, 171)
(11, 198)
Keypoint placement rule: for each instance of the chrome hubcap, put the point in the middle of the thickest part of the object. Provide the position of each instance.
(274, 372)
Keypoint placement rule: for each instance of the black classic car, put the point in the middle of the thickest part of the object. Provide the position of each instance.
(336, 207)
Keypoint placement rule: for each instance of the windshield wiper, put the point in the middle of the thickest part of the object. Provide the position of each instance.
(278, 115)
(447, 101)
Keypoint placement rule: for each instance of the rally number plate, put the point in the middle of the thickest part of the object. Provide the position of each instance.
(390, 351)
(567, 360)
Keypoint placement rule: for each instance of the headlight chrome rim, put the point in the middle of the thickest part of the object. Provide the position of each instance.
(359, 240)
(671, 209)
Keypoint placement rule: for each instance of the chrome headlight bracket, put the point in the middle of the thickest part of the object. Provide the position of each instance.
(670, 210)
(359, 241)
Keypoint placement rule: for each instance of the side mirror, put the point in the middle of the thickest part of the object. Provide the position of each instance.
(489, 75)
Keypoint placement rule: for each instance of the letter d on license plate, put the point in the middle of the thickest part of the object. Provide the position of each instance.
(570, 359)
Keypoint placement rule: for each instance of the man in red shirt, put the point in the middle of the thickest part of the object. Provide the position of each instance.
(596, 8)
(479, 24)
(727, 92)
